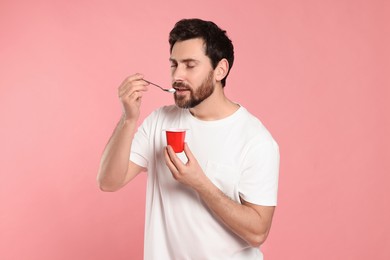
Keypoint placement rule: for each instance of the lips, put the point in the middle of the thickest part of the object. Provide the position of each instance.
(180, 86)
(181, 89)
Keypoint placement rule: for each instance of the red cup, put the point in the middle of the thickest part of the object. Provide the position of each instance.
(175, 138)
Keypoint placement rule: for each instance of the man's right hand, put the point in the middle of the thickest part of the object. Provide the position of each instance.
(130, 94)
(115, 168)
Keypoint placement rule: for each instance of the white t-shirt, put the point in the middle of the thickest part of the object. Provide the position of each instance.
(240, 157)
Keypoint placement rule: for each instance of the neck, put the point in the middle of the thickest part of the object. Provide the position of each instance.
(215, 107)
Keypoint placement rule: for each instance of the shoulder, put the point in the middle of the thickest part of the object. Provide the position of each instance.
(259, 142)
(254, 127)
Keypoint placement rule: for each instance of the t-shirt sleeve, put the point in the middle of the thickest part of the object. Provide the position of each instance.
(140, 148)
(259, 179)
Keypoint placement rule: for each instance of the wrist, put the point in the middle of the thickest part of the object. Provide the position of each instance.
(126, 122)
(205, 187)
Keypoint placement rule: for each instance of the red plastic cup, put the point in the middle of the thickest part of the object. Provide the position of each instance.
(175, 138)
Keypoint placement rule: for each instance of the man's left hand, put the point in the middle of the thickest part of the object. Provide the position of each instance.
(190, 173)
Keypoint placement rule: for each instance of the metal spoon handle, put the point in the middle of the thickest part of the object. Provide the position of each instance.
(164, 89)
(153, 84)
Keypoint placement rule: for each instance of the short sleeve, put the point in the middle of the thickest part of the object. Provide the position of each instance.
(140, 148)
(259, 179)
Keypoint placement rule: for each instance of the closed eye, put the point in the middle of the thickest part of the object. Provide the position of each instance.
(191, 64)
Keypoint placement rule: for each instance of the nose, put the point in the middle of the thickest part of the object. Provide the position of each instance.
(178, 74)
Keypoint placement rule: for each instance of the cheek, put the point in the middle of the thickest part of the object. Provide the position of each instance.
(200, 76)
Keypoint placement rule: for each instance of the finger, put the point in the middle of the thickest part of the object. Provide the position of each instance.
(188, 153)
(169, 162)
(136, 95)
(132, 83)
(177, 162)
(134, 77)
(129, 80)
(130, 87)
(140, 84)
(130, 97)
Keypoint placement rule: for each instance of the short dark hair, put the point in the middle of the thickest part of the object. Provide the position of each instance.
(217, 43)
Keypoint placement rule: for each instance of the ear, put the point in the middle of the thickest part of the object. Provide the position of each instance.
(222, 69)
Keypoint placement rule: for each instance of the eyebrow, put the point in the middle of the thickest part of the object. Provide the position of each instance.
(184, 60)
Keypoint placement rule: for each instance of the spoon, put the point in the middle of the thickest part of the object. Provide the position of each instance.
(170, 90)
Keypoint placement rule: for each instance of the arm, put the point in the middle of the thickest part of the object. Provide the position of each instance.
(249, 221)
(115, 168)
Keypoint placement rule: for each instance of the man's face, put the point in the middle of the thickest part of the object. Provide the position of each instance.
(192, 73)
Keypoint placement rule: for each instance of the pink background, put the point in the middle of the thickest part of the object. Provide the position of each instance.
(315, 72)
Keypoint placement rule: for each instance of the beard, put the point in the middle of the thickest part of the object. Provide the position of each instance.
(196, 97)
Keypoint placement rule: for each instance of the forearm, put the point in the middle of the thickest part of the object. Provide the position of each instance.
(241, 219)
(115, 159)
(249, 221)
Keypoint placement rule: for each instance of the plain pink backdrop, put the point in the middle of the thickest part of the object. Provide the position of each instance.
(315, 72)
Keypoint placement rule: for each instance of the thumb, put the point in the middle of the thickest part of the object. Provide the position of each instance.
(188, 153)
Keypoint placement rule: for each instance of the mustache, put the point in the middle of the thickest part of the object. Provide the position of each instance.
(180, 85)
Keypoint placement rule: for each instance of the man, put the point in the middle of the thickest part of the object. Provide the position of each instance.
(216, 200)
